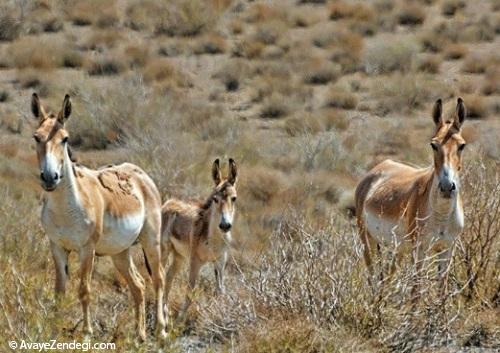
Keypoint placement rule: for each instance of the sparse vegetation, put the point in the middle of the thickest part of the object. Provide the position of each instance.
(306, 96)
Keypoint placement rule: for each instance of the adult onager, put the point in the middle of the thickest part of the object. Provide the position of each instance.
(200, 232)
(416, 209)
(97, 212)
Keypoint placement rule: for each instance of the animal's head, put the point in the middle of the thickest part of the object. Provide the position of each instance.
(51, 138)
(447, 145)
(224, 195)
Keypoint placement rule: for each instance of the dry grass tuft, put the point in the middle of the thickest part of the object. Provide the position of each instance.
(340, 98)
(429, 64)
(451, 7)
(320, 72)
(455, 51)
(105, 65)
(411, 14)
(386, 56)
(210, 44)
(10, 24)
(46, 53)
(477, 106)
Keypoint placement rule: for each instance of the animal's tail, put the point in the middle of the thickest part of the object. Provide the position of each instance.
(148, 267)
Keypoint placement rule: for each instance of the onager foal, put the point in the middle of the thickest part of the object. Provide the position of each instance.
(200, 232)
(416, 209)
(97, 212)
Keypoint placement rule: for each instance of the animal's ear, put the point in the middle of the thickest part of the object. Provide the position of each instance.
(437, 112)
(233, 172)
(216, 172)
(36, 107)
(461, 113)
(65, 110)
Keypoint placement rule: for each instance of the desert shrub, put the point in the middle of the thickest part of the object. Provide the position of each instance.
(46, 53)
(232, 74)
(137, 55)
(455, 51)
(4, 95)
(210, 44)
(261, 12)
(407, 92)
(477, 64)
(274, 107)
(303, 18)
(105, 65)
(429, 64)
(334, 119)
(450, 7)
(248, 48)
(390, 55)
(302, 123)
(433, 42)
(481, 31)
(340, 98)
(477, 106)
(86, 12)
(359, 11)
(411, 14)
(163, 71)
(72, 59)
(320, 72)
(491, 82)
(102, 39)
(346, 47)
(10, 24)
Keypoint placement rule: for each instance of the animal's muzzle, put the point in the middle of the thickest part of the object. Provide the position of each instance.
(225, 226)
(447, 188)
(49, 180)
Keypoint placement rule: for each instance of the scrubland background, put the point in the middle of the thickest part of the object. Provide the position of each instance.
(306, 96)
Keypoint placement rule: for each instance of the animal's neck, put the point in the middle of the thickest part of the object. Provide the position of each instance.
(66, 194)
(441, 207)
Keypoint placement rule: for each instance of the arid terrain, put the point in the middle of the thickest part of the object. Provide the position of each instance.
(306, 96)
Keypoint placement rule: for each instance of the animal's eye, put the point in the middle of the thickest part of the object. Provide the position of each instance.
(64, 140)
(233, 199)
(461, 147)
(434, 146)
(37, 138)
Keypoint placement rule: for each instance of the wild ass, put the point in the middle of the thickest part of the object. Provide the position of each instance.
(97, 212)
(416, 209)
(200, 232)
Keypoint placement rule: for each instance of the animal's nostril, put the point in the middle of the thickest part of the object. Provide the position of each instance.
(41, 176)
(56, 176)
(225, 226)
(453, 187)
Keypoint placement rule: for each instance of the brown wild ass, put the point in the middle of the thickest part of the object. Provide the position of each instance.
(97, 212)
(200, 232)
(416, 209)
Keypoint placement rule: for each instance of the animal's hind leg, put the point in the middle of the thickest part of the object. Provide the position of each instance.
(126, 267)
(369, 248)
(150, 240)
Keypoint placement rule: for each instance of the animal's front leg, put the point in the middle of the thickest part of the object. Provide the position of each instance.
(194, 268)
(60, 256)
(219, 267)
(86, 266)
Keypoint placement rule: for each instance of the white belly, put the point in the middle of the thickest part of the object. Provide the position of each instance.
(385, 231)
(119, 233)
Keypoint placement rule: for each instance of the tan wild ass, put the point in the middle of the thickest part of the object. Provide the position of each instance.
(200, 232)
(97, 212)
(416, 209)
